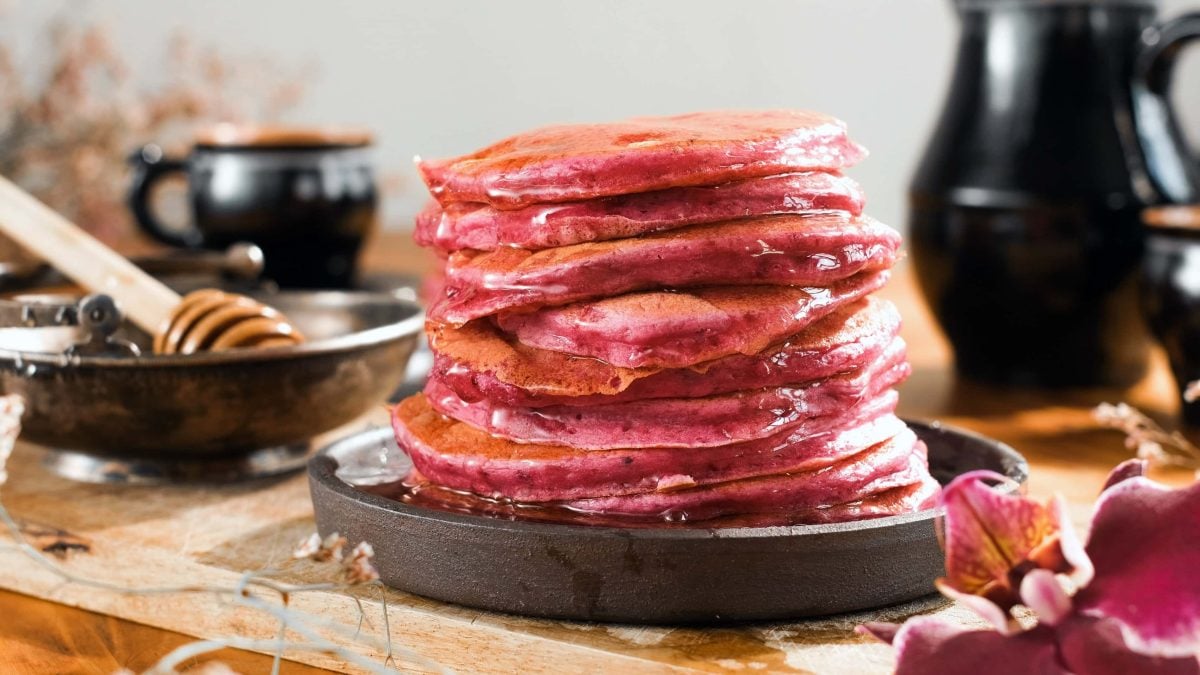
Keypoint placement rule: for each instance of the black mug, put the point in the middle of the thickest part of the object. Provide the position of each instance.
(307, 197)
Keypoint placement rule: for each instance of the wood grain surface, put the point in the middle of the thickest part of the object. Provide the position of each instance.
(139, 535)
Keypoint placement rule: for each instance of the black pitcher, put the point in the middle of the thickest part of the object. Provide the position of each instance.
(1025, 224)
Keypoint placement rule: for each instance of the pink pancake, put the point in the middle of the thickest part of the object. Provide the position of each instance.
(895, 463)
(910, 498)
(678, 422)
(454, 455)
(816, 249)
(677, 330)
(478, 226)
(477, 362)
(584, 161)
(896, 501)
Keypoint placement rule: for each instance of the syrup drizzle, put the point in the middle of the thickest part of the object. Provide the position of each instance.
(414, 490)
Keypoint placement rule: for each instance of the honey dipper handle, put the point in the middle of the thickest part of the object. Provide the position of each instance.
(80, 256)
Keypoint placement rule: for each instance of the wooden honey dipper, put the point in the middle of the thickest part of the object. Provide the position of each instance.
(204, 320)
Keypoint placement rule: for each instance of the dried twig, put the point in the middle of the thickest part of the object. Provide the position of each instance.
(1147, 438)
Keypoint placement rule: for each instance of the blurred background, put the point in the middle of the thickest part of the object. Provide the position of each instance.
(443, 78)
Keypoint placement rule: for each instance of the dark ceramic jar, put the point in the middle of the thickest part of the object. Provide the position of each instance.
(1171, 292)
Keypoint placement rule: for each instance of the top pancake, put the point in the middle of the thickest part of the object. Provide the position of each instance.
(584, 161)
(484, 228)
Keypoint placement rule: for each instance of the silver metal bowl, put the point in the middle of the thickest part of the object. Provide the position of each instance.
(213, 416)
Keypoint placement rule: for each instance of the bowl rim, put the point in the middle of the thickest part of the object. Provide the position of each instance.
(409, 326)
(322, 468)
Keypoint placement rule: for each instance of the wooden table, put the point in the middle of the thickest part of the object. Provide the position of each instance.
(1066, 450)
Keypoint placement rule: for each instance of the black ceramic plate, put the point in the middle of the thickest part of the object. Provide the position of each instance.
(639, 575)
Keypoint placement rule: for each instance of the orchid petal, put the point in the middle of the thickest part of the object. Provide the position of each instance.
(1042, 592)
(987, 534)
(1130, 468)
(984, 608)
(931, 645)
(1070, 547)
(1145, 545)
(1096, 647)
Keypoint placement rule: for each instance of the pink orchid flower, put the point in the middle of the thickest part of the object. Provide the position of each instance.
(1137, 604)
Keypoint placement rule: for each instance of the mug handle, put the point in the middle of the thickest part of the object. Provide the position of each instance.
(149, 166)
(1175, 173)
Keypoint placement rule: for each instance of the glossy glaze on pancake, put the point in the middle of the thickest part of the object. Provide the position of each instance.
(917, 496)
(584, 161)
(461, 457)
(897, 462)
(808, 250)
(420, 491)
(478, 362)
(678, 422)
(465, 225)
(666, 329)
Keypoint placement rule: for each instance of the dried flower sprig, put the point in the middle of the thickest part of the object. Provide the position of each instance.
(354, 570)
(65, 132)
(320, 550)
(1147, 438)
(359, 568)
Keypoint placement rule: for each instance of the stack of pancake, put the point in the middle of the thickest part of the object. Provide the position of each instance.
(665, 320)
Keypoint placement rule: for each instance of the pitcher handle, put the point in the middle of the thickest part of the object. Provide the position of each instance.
(150, 166)
(1161, 47)
(1174, 174)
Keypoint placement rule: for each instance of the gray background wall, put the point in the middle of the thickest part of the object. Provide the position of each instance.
(444, 77)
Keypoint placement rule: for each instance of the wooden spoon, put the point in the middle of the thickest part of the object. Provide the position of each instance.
(204, 320)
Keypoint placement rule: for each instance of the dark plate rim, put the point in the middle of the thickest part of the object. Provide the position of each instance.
(322, 468)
